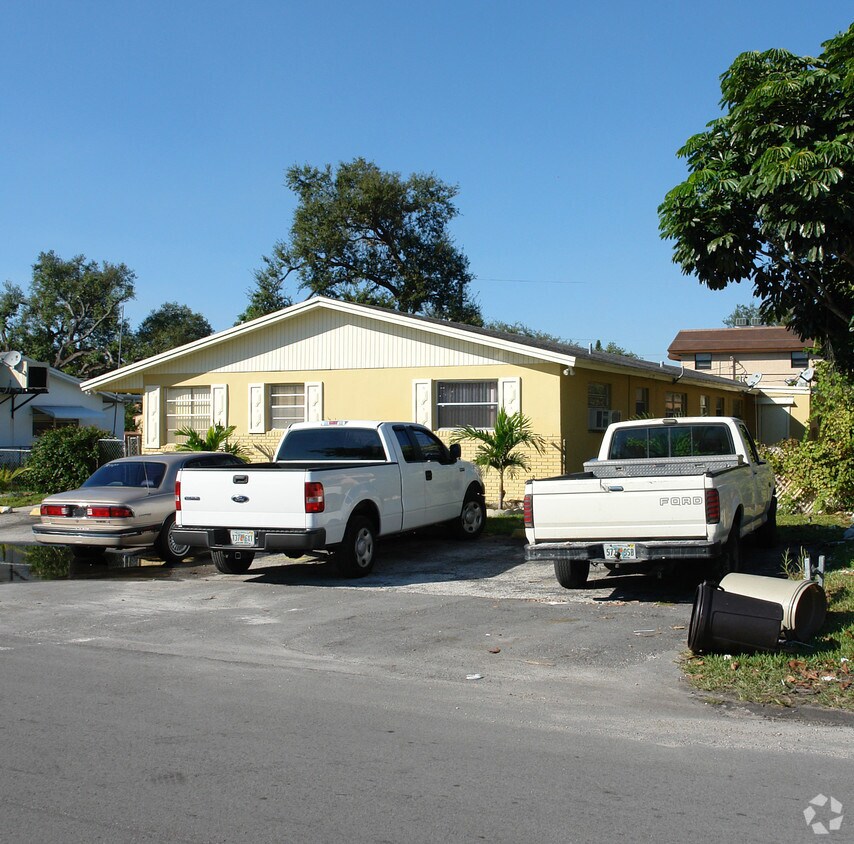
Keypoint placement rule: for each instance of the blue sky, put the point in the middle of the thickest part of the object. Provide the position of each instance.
(158, 134)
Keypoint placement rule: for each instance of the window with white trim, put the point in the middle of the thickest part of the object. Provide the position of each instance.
(719, 406)
(187, 407)
(641, 401)
(703, 360)
(287, 405)
(461, 403)
(704, 405)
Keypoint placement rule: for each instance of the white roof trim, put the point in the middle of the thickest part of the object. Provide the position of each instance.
(330, 304)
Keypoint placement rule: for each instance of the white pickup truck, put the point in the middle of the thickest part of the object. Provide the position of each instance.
(660, 491)
(333, 486)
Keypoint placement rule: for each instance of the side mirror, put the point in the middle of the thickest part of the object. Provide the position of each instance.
(455, 451)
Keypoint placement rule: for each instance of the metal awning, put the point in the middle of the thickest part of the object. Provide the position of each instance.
(71, 411)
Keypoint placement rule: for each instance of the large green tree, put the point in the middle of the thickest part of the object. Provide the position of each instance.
(71, 316)
(164, 328)
(770, 192)
(365, 235)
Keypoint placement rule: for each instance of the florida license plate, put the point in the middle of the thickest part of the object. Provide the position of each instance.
(616, 551)
(242, 537)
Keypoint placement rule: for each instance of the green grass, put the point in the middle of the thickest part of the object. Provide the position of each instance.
(502, 525)
(21, 498)
(820, 672)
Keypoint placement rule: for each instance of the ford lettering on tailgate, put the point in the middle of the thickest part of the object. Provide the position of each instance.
(680, 501)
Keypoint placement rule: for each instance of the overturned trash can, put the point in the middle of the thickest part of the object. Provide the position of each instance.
(804, 602)
(725, 621)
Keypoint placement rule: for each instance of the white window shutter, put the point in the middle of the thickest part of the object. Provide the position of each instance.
(510, 394)
(422, 403)
(314, 401)
(257, 410)
(219, 405)
(151, 415)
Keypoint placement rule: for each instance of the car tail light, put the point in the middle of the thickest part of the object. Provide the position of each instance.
(177, 496)
(54, 510)
(528, 511)
(314, 500)
(713, 507)
(109, 513)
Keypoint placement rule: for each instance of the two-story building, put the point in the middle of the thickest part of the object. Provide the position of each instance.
(771, 357)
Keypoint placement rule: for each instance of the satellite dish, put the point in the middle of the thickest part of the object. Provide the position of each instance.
(754, 380)
(11, 359)
(808, 374)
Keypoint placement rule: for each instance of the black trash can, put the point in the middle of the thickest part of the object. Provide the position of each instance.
(728, 622)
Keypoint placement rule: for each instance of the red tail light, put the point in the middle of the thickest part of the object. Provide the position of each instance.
(109, 513)
(177, 495)
(314, 500)
(528, 511)
(713, 507)
(53, 510)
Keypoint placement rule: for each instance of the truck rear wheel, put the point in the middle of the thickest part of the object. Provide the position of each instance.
(572, 574)
(355, 557)
(232, 562)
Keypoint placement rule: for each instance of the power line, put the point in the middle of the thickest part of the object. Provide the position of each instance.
(526, 281)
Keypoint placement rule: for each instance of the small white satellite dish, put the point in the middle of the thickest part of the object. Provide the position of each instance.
(754, 380)
(11, 359)
(807, 375)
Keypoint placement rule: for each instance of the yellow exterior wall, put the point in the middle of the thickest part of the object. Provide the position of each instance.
(555, 403)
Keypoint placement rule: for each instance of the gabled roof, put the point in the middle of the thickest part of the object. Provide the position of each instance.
(751, 339)
(566, 355)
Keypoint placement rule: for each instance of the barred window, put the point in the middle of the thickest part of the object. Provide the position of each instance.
(287, 405)
(461, 403)
(187, 407)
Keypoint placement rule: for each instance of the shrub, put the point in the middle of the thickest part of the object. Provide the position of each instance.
(63, 458)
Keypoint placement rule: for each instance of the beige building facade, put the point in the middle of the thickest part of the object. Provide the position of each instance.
(772, 357)
(323, 360)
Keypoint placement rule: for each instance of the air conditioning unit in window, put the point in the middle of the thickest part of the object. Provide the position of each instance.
(597, 419)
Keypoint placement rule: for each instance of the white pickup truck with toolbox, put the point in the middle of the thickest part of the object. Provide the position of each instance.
(661, 491)
(333, 486)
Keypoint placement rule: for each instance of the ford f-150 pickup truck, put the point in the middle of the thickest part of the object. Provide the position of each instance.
(660, 491)
(333, 486)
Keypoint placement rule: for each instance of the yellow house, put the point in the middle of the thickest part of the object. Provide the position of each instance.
(326, 359)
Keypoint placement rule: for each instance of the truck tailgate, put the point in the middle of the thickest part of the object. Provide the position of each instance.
(222, 498)
(619, 508)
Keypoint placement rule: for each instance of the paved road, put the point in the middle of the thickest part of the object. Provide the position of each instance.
(143, 704)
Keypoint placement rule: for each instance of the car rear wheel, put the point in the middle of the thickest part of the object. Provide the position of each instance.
(170, 551)
(232, 562)
(572, 574)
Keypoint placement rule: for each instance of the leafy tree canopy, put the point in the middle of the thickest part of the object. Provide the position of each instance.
(164, 328)
(267, 295)
(364, 235)
(527, 331)
(70, 318)
(750, 313)
(613, 349)
(770, 195)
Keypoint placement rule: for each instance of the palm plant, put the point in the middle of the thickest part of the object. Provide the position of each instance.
(215, 439)
(499, 448)
(8, 475)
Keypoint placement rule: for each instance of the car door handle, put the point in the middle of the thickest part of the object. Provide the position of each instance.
(428, 475)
